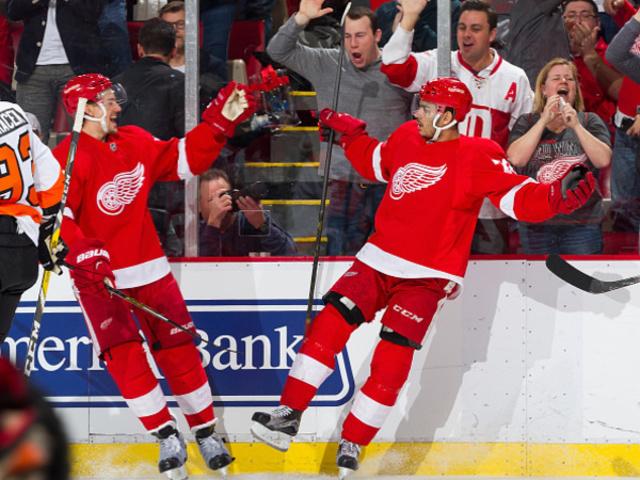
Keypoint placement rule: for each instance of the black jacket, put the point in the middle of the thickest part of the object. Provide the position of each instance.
(77, 22)
(155, 98)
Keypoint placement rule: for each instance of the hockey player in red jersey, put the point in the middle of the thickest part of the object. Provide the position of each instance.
(416, 257)
(111, 237)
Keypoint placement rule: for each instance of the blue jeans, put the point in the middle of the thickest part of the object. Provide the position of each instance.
(350, 213)
(115, 35)
(561, 239)
(216, 26)
(625, 182)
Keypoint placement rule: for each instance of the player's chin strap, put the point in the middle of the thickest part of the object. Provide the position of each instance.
(102, 119)
(440, 129)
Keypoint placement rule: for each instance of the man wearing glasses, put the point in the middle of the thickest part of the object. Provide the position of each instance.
(599, 82)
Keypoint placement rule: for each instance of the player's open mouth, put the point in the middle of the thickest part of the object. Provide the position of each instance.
(356, 55)
(563, 91)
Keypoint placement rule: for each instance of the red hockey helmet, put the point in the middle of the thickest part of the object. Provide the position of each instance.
(89, 86)
(448, 92)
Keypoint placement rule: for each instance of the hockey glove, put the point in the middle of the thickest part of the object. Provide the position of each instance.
(233, 105)
(51, 259)
(572, 190)
(90, 265)
(347, 126)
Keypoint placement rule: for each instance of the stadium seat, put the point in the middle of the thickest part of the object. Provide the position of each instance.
(246, 37)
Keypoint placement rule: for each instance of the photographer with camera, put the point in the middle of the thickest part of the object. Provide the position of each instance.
(234, 224)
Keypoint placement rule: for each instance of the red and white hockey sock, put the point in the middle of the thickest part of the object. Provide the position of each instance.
(127, 363)
(315, 361)
(390, 368)
(182, 367)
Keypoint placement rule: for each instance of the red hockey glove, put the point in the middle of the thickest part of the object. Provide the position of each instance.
(572, 190)
(349, 127)
(233, 105)
(90, 265)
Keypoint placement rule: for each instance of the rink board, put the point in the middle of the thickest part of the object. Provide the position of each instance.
(521, 375)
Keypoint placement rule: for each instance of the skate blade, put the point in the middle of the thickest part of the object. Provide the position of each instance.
(179, 473)
(278, 440)
(344, 472)
(222, 471)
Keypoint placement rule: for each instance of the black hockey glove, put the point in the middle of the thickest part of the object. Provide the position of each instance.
(51, 259)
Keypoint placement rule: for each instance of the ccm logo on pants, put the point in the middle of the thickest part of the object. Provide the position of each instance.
(406, 313)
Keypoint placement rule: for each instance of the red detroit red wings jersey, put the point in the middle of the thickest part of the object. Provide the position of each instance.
(109, 188)
(425, 222)
(501, 92)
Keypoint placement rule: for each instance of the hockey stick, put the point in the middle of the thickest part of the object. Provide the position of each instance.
(55, 236)
(570, 274)
(146, 308)
(325, 180)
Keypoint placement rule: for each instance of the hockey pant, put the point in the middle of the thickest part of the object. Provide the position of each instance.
(410, 303)
(18, 270)
(116, 339)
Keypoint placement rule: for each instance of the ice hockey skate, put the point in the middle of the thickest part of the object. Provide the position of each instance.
(213, 450)
(173, 453)
(347, 458)
(277, 428)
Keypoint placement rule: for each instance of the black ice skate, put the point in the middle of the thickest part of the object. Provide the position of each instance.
(277, 428)
(213, 451)
(173, 453)
(347, 458)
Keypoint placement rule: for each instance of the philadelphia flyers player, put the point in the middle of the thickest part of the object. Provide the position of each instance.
(110, 235)
(31, 184)
(416, 257)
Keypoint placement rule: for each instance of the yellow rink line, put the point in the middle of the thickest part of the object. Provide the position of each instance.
(482, 459)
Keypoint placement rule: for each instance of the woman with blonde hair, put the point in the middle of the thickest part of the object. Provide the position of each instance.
(546, 143)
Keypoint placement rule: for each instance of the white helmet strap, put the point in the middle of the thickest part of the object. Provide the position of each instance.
(440, 129)
(102, 120)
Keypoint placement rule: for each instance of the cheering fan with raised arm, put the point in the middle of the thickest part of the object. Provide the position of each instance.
(112, 239)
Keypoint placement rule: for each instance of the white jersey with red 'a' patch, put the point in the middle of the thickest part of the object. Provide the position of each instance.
(110, 187)
(425, 222)
(501, 92)
(31, 180)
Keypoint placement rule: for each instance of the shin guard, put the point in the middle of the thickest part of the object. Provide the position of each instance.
(127, 363)
(182, 367)
(315, 361)
(390, 368)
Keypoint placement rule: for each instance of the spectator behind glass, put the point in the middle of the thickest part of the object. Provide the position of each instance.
(364, 93)
(425, 36)
(60, 39)
(536, 35)
(217, 17)
(174, 14)
(33, 445)
(599, 82)
(155, 102)
(225, 231)
(501, 91)
(115, 34)
(545, 144)
(624, 54)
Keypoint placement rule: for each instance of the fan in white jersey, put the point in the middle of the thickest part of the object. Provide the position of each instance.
(500, 90)
(31, 185)
(416, 257)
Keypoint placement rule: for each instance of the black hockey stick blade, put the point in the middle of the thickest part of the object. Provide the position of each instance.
(570, 274)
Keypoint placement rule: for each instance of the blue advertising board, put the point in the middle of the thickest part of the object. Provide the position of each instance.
(247, 349)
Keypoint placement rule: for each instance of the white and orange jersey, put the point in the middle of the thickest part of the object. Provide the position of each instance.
(31, 180)
(501, 92)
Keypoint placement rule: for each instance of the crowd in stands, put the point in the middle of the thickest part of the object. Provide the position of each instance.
(554, 82)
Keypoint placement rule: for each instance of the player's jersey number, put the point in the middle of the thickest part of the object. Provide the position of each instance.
(12, 181)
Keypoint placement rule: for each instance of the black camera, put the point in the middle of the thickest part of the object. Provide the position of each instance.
(256, 190)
